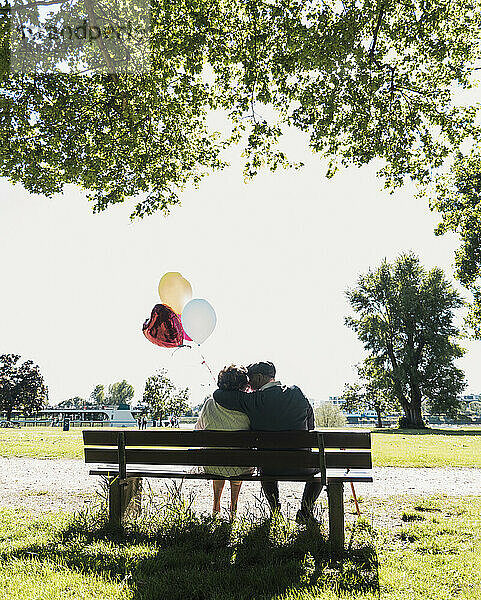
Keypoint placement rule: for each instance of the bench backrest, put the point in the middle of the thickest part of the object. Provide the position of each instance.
(323, 449)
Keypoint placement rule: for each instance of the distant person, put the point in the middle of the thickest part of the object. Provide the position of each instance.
(275, 407)
(144, 422)
(139, 422)
(215, 417)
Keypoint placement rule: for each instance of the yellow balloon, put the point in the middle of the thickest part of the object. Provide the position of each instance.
(175, 291)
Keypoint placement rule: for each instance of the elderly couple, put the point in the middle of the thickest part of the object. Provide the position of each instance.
(269, 406)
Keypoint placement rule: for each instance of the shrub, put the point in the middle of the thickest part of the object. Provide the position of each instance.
(329, 415)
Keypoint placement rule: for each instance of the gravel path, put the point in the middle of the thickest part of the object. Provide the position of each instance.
(50, 485)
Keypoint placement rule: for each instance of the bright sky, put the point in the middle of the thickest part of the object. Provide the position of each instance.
(273, 257)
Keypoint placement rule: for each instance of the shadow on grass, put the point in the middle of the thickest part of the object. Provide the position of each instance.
(430, 431)
(180, 555)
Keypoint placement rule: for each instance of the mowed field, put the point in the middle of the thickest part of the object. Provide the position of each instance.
(429, 448)
(391, 448)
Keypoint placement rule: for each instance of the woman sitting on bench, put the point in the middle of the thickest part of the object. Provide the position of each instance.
(216, 417)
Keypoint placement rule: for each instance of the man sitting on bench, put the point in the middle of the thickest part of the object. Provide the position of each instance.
(275, 407)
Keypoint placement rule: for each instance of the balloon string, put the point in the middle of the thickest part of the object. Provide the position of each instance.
(205, 363)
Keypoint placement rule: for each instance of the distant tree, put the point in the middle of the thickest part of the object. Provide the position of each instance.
(97, 397)
(158, 392)
(197, 408)
(22, 386)
(372, 392)
(65, 404)
(119, 393)
(406, 324)
(162, 398)
(475, 407)
(179, 403)
(329, 415)
(75, 402)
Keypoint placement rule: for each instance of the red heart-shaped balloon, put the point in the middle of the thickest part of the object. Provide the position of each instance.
(164, 327)
(186, 336)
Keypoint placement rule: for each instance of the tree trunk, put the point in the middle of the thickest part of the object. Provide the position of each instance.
(413, 416)
(379, 419)
(9, 404)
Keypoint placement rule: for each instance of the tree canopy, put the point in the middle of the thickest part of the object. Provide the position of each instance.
(405, 321)
(458, 198)
(75, 402)
(22, 386)
(374, 391)
(329, 415)
(97, 397)
(363, 80)
(120, 392)
(162, 398)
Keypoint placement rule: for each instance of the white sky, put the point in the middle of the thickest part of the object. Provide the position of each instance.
(273, 256)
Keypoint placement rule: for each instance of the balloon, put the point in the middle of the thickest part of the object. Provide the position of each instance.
(198, 319)
(164, 327)
(175, 291)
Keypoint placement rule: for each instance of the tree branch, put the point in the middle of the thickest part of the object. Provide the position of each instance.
(103, 49)
(376, 31)
(32, 5)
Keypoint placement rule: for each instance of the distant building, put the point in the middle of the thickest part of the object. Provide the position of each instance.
(471, 398)
(337, 401)
(364, 413)
(472, 403)
(110, 416)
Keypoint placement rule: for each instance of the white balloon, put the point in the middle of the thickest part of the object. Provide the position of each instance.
(198, 319)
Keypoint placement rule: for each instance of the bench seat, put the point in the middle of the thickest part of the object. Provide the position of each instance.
(332, 475)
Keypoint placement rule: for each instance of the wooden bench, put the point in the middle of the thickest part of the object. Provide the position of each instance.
(126, 456)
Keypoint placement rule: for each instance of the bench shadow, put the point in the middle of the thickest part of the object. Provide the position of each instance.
(200, 558)
(431, 431)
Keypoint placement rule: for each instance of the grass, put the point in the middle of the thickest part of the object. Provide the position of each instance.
(174, 554)
(434, 553)
(41, 442)
(427, 448)
(390, 448)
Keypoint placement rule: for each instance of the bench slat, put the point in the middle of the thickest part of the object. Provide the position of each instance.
(333, 475)
(233, 439)
(228, 457)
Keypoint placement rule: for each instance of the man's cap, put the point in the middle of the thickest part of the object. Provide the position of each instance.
(262, 368)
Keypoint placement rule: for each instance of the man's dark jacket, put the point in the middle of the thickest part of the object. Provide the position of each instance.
(277, 408)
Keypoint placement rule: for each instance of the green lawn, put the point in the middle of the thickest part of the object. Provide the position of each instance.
(420, 549)
(428, 448)
(41, 442)
(391, 448)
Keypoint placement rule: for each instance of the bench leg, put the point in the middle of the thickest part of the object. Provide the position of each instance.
(123, 495)
(335, 495)
(115, 502)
